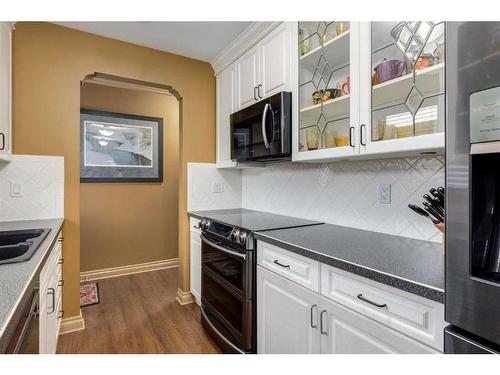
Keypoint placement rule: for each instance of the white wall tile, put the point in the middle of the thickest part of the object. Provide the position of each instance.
(42, 185)
(346, 193)
(200, 179)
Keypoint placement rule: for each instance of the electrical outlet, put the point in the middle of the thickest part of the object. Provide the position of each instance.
(217, 187)
(384, 193)
(15, 189)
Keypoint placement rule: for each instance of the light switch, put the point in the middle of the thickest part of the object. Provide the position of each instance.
(15, 189)
(384, 193)
(217, 187)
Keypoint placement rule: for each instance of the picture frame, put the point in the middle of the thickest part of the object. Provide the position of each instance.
(117, 147)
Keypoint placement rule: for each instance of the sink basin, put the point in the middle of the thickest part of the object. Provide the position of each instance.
(13, 251)
(13, 237)
(20, 245)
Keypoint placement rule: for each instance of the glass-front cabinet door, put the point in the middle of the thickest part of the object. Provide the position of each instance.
(327, 118)
(402, 87)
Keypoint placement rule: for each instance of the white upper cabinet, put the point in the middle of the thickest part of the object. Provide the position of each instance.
(275, 66)
(368, 88)
(403, 87)
(266, 68)
(261, 71)
(247, 81)
(327, 99)
(225, 83)
(5, 86)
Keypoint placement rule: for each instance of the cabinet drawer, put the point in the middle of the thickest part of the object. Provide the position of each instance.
(414, 316)
(302, 270)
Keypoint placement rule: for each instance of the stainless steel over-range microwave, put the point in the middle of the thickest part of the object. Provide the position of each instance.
(263, 131)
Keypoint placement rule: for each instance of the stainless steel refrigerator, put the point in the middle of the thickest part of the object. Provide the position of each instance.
(472, 302)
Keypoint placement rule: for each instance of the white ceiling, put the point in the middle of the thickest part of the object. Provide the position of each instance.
(198, 40)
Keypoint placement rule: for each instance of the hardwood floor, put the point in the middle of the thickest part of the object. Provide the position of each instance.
(139, 314)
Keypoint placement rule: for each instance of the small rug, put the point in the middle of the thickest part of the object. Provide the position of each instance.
(89, 294)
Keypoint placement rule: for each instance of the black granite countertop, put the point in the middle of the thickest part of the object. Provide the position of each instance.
(252, 220)
(411, 265)
(15, 278)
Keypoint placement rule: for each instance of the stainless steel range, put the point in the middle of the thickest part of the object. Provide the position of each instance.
(228, 259)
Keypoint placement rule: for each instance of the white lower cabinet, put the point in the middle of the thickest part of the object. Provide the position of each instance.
(293, 318)
(51, 313)
(284, 313)
(344, 331)
(195, 260)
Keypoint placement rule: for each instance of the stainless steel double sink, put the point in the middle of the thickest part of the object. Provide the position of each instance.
(20, 245)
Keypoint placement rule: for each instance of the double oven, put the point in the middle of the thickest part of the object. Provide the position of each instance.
(227, 290)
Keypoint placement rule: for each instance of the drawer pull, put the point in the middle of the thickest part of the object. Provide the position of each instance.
(60, 261)
(60, 239)
(61, 314)
(321, 323)
(51, 292)
(60, 283)
(312, 318)
(360, 296)
(281, 265)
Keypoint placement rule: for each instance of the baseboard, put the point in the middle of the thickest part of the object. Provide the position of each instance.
(184, 298)
(106, 273)
(72, 324)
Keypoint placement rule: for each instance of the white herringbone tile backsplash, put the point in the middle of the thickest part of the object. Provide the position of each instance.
(346, 193)
(42, 187)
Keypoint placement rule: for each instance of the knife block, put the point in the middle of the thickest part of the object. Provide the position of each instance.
(440, 226)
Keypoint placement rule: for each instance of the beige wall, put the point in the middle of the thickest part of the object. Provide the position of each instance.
(130, 223)
(49, 61)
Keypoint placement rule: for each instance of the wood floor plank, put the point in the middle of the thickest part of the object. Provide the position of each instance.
(139, 314)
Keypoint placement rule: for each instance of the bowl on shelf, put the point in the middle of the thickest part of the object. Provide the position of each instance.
(325, 95)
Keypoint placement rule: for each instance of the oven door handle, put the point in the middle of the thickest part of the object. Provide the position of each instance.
(267, 107)
(222, 249)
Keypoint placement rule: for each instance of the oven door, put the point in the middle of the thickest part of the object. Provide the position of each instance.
(226, 290)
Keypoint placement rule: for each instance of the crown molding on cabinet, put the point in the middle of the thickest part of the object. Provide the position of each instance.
(243, 42)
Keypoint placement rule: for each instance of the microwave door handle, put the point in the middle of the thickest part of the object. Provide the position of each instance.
(264, 117)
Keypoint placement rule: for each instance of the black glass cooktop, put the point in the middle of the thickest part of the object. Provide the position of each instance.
(253, 220)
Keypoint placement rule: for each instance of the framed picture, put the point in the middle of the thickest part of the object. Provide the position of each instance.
(116, 147)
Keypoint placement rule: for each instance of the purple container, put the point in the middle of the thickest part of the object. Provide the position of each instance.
(390, 69)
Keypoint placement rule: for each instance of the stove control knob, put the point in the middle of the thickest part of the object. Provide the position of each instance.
(235, 235)
(242, 237)
(204, 223)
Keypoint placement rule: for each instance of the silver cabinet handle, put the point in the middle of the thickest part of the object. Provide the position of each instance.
(60, 239)
(52, 293)
(254, 94)
(360, 296)
(60, 261)
(321, 323)
(312, 318)
(258, 90)
(60, 283)
(3, 142)
(281, 264)
(61, 314)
